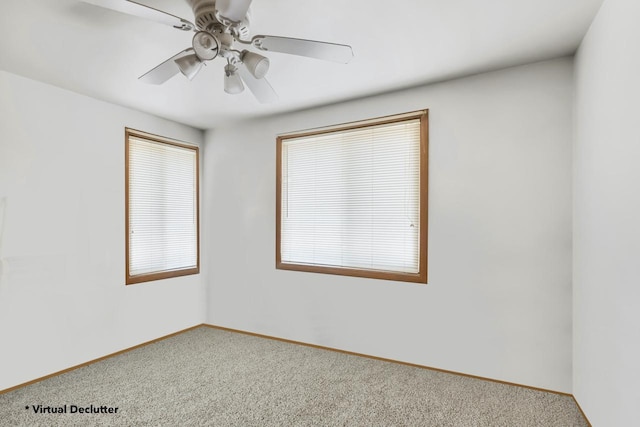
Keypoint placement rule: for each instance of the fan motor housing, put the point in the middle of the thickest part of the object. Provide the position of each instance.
(205, 13)
(207, 18)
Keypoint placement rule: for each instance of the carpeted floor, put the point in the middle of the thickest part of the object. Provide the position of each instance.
(210, 377)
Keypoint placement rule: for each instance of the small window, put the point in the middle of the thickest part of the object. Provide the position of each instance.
(162, 225)
(352, 199)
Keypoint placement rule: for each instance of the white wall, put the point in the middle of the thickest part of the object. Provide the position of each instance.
(498, 302)
(607, 218)
(63, 300)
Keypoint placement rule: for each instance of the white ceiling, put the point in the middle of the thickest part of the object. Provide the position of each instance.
(397, 44)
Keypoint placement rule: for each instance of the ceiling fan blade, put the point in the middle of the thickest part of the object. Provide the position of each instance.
(146, 12)
(233, 10)
(260, 88)
(164, 71)
(311, 48)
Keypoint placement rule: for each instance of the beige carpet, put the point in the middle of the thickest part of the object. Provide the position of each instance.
(209, 377)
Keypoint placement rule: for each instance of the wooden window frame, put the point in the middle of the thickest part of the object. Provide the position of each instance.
(148, 277)
(421, 276)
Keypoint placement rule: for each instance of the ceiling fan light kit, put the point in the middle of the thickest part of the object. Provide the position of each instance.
(257, 64)
(189, 65)
(205, 45)
(219, 24)
(232, 81)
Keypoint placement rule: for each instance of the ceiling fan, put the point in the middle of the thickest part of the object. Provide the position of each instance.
(222, 31)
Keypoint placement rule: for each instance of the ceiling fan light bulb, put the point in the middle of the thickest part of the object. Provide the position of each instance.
(205, 45)
(232, 81)
(189, 65)
(257, 65)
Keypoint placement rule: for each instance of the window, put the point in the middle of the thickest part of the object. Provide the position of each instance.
(352, 199)
(162, 225)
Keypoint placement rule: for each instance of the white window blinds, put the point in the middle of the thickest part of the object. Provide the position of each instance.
(351, 198)
(162, 207)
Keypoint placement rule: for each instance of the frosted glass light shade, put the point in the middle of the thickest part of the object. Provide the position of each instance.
(257, 65)
(189, 65)
(205, 45)
(232, 81)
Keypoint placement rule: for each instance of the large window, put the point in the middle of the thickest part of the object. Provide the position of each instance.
(352, 199)
(162, 225)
